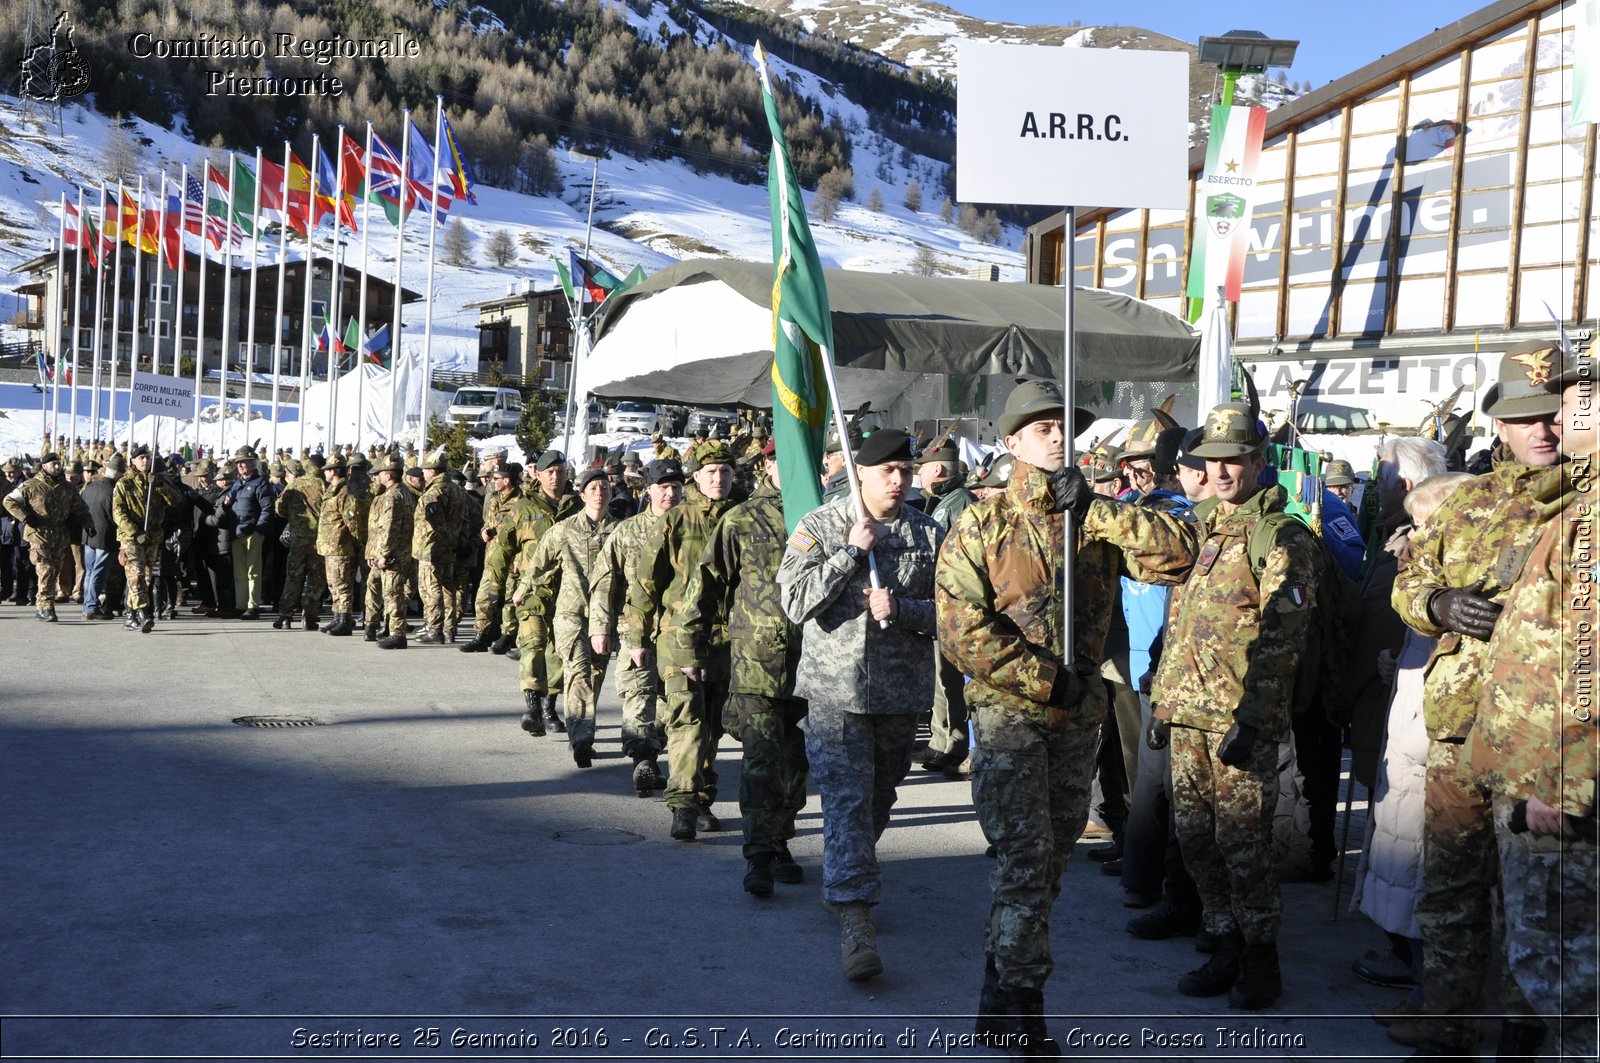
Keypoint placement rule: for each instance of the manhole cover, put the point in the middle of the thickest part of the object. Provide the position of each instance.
(276, 721)
(597, 836)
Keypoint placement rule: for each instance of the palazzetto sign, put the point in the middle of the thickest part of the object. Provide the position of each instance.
(1055, 126)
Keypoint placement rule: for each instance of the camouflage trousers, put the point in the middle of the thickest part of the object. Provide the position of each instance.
(49, 560)
(857, 760)
(1551, 939)
(691, 716)
(1224, 821)
(1460, 883)
(772, 775)
(436, 584)
(532, 640)
(304, 579)
(139, 562)
(489, 607)
(642, 737)
(386, 599)
(949, 723)
(1030, 788)
(341, 573)
(584, 673)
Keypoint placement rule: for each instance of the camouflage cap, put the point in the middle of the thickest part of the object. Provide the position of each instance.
(392, 465)
(1229, 432)
(437, 462)
(715, 452)
(1033, 399)
(1520, 392)
(1143, 436)
(1577, 369)
(1339, 473)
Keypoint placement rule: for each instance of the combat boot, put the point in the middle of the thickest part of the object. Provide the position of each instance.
(1163, 921)
(502, 644)
(533, 718)
(784, 867)
(1260, 982)
(392, 642)
(1518, 1041)
(311, 620)
(343, 624)
(147, 622)
(480, 642)
(557, 724)
(370, 633)
(858, 941)
(758, 875)
(280, 622)
(47, 615)
(645, 774)
(1219, 972)
(683, 824)
(132, 622)
(583, 754)
(430, 637)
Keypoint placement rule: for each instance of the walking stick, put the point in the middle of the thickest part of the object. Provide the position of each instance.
(1344, 839)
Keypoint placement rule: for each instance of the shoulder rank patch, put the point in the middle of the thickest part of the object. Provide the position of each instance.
(1344, 529)
(802, 541)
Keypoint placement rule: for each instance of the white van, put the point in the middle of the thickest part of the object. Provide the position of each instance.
(487, 411)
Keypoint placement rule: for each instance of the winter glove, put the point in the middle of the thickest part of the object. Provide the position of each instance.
(1158, 734)
(1466, 610)
(1236, 745)
(1072, 492)
(1071, 684)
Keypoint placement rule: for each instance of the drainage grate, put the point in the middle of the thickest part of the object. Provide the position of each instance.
(597, 836)
(277, 721)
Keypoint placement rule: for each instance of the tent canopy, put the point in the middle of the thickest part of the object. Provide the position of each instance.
(701, 332)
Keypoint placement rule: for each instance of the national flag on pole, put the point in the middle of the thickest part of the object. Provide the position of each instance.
(1586, 63)
(93, 241)
(1226, 201)
(386, 184)
(327, 180)
(586, 282)
(351, 340)
(376, 345)
(75, 234)
(459, 174)
(635, 276)
(219, 226)
(355, 173)
(244, 195)
(324, 337)
(293, 210)
(194, 207)
(420, 177)
(802, 327)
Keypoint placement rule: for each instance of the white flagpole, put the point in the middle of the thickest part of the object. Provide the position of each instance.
(99, 320)
(250, 328)
(155, 329)
(227, 312)
(77, 309)
(310, 271)
(433, 232)
(61, 315)
(277, 314)
(138, 302)
(200, 323)
(395, 399)
(336, 290)
(177, 311)
(116, 326)
(361, 310)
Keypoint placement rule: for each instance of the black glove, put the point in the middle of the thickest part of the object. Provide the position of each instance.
(1072, 492)
(1236, 745)
(1466, 610)
(1158, 734)
(1071, 684)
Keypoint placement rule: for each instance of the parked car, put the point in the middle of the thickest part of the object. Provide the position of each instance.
(710, 418)
(639, 417)
(487, 411)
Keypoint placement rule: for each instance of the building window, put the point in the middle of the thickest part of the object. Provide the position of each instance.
(161, 293)
(160, 328)
(319, 308)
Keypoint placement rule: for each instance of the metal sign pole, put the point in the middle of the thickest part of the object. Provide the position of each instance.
(1068, 389)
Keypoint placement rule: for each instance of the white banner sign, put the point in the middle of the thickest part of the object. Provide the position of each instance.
(1356, 394)
(1059, 126)
(162, 396)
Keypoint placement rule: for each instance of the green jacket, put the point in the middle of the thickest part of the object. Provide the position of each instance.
(341, 522)
(389, 524)
(665, 565)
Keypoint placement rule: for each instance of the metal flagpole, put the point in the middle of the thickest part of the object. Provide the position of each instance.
(1069, 385)
(575, 312)
(200, 322)
(399, 263)
(309, 273)
(433, 231)
(177, 309)
(849, 464)
(361, 309)
(99, 319)
(116, 325)
(335, 292)
(227, 312)
(61, 316)
(77, 309)
(250, 326)
(138, 302)
(277, 313)
(155, 326)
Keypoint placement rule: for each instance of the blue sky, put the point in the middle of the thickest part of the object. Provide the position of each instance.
(1330, 47)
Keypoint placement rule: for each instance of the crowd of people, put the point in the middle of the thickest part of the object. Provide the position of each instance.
(1223, 651)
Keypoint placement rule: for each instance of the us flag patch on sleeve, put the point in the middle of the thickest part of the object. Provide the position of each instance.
(804, 542)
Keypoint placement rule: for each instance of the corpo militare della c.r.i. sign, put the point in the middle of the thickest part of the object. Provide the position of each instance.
(1060, 126)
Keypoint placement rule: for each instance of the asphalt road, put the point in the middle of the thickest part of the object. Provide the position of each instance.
(415, 877)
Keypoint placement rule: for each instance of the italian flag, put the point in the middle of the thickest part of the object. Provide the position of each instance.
(1227, 195)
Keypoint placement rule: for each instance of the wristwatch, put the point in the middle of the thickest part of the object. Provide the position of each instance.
(857, 554)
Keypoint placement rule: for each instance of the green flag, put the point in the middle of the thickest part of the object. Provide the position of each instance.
(352, 336)
(802, 328)
(244, 195)
(634, 277)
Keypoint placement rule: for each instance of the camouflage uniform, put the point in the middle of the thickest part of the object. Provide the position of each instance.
(663, 451)
(864, 684)
(440, 514)
(558, 574)
(53, 514)
(520, 535)
(948, 500)
(1000, 615)
(614, 573)
(491, 598)
(389, 531)
(303, 577)
(1477, 532)
(691, 713)
(1232, 649)
(736, 577)
(139, 531)
(1535, 736)
(339, 526)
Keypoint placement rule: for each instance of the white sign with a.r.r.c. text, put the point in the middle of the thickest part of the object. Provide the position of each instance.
(1059, 126)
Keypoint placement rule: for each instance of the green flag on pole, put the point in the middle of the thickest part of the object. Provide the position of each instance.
(244, 195)
(802, 328)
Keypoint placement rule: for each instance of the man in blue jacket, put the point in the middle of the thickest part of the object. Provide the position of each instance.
(250, 498)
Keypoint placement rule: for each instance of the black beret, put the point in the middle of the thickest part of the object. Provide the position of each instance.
(891, 444)
(551, 458)
(664, 470)
(590, 476)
